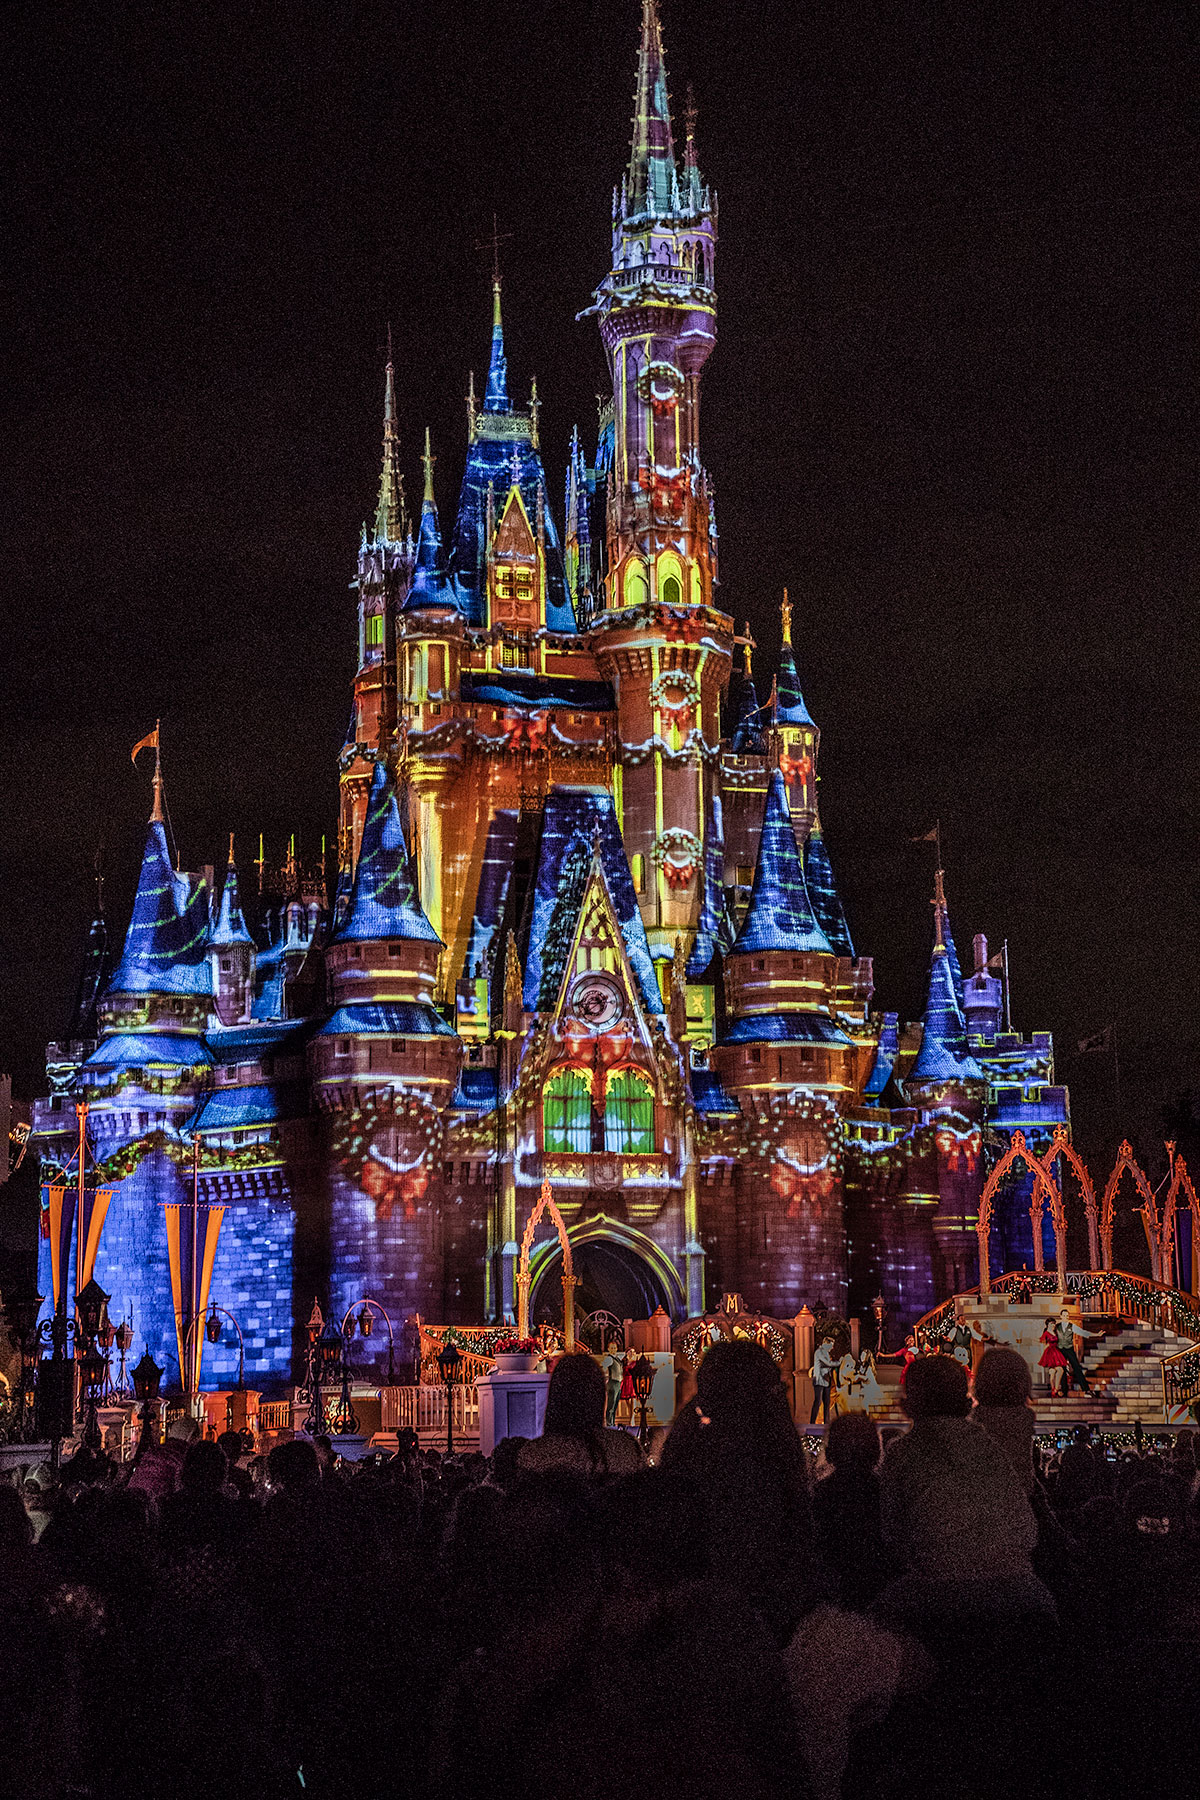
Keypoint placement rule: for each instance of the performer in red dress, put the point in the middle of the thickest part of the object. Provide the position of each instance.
(1053, 1360)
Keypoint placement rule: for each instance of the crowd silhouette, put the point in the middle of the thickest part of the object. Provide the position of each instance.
(954, 1614)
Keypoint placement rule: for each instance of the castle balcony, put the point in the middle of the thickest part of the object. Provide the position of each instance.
(597, 1169)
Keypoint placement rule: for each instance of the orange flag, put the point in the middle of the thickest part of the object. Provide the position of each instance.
(149, 742)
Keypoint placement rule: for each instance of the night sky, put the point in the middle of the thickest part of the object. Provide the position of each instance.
(952, 408)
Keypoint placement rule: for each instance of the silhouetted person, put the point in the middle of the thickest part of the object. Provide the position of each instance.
(846, 1511)
(574, 1436)
(1003, 1407)
(736, 1442)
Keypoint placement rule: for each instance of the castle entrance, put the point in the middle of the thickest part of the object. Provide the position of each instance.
(612, 1278)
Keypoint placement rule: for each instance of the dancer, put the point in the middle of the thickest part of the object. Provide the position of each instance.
(822, 1373)
(1071, 1338)
(1053, 1361)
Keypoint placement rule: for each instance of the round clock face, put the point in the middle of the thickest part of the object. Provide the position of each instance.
(597, 1001)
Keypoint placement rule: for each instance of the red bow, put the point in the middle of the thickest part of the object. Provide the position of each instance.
(519, 729)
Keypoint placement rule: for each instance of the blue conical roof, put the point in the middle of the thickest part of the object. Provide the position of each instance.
(651, 178)
(712, 905)
(384, 902)
(947, 937)
(780, 915)
(822, 891)
(230, 927)
(943, 1055)
(164, 946)
(747, 733)
(495, 400)
(429, 583)
(791, 709)
(92, 979)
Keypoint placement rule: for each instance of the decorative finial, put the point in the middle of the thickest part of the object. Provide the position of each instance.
(748, 645)
(231, 850)
(689, 126)
(535, 407)
(427, 462)
(785, 613)
(472, 407)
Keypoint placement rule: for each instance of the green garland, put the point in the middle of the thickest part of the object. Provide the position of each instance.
(129, 1158)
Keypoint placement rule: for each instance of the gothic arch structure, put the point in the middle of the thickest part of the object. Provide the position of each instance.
(1062, 1146)
(1148, 1210)
(1017, 1152)
(546, 1203)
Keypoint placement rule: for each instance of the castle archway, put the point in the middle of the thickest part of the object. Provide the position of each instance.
(619, 1271)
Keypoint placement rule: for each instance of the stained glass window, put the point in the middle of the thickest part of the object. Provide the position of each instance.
(629, 1114)
(567, 1112)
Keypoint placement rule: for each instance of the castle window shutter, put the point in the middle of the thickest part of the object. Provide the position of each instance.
(629, 1114)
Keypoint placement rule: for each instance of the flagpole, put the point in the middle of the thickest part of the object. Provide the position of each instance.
(188, 1389)
(81, 1113)
(1007, 996)
(1117, 1079)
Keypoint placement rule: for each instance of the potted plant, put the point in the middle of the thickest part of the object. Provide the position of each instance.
(516, 1355)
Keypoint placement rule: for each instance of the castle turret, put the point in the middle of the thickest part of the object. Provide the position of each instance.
(949, 1089)
(797, 739)
(232, 952)
(660, 638)
(385, 565)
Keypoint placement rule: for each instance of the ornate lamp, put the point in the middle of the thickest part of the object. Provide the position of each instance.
(642, 1376)
(366, 1321)
(22, 1312)
(450, 1359)
(146, 1376)
(90, 1304)
(212, 1327)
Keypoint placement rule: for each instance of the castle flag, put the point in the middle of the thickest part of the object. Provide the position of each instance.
(149, 742)
(1099, 1040)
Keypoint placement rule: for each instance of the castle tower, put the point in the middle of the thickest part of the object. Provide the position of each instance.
(798, 741)
(387, 1060)
(385, 566)
(660, 638)
(232, 951)
(786, 1057)
(949, 1090)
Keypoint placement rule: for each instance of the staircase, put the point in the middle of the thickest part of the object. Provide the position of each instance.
(1124, 1371)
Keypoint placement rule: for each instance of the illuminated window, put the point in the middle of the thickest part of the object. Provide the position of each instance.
(629, 1114)
(672, 593)
(567, 1112)
(343, 1048)
(636, 591)
(375, 630)
(745, 875)
(637, 868)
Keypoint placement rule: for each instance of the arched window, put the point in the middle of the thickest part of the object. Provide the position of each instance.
(629, 1114)
(567, 1112)
(672, 593)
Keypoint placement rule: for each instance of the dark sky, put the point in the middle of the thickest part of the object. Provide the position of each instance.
(952, 407)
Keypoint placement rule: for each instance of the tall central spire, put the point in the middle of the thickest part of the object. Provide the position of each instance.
(391, 522)
(496, 398)
(652, 155)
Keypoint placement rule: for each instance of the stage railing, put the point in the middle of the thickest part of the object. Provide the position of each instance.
(423, 1410)
(1111, 1291)
(274, 1416)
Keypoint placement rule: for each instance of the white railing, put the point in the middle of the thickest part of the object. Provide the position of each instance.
(423, 1410)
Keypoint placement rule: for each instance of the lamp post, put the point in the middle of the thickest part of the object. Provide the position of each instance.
(327, 1363)
(22, 1314)
(450, 1362)
(642, 1375)
(146, 1376)
(90, 1306)
(212, 1331)
(366, 1320)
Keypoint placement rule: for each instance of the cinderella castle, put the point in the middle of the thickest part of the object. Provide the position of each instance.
(586, 928)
